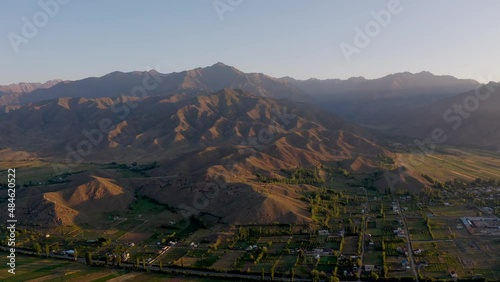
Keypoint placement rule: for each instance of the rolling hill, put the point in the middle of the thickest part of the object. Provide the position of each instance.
(228, 135)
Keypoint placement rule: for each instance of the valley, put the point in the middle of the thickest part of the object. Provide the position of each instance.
(349, 230)
(216, 174)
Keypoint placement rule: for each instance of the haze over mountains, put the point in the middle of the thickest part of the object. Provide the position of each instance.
(389, 103)
(9, 94)
(218, 76)
(470, 118)
(24, 87)
(379, 101)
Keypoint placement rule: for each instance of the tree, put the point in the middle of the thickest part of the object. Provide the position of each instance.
(75, 254)
(37, 248)
(334, 279)
(47, 250)
(374, 276)
(263, 274)
(315, 275)
(88, 258)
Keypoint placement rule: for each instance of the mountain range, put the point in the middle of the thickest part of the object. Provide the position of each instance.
(387, 104)
(220, 123)
(229, 133)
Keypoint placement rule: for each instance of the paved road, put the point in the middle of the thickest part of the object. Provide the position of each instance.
(408, 243)
(365, 213)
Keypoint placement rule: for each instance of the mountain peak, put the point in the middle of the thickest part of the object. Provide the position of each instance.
(220, 64)
(26, 87)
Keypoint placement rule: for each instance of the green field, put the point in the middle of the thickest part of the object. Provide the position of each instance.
(449, 163)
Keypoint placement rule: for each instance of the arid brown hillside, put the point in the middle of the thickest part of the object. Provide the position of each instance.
(226, 136)
(85, 199)
(164, 128)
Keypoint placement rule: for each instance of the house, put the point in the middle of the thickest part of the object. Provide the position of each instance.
(417, 251)
(318, 251)
(125, 256)
(422, 264)
(399, 232)
(453, 274)
(404, 262)
(488, 210)
(323, 232)
(369, 267)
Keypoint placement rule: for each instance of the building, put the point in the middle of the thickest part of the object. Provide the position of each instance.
(417, 251)
(369, 267)
(323, 232)
(125, 256)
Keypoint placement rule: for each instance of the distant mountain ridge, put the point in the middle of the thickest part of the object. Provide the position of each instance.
(219, 75)
(404, 83)
(471, 118)
(386, 103)
(26, 87)
(212, 78)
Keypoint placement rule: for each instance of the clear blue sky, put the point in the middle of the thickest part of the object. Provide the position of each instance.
(288, 37)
